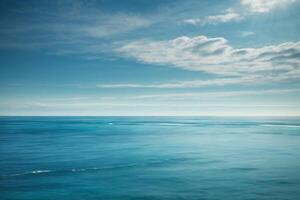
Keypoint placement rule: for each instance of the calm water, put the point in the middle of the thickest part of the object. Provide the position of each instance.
(74, 158)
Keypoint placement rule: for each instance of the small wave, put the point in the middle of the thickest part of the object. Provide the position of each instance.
(31, 172)
(112, 167)
(281, 125)
(40, 171)
(78, 170)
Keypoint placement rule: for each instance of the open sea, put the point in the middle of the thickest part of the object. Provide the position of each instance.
(95, 158)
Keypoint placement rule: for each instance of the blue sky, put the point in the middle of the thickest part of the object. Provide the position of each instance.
(142, 57)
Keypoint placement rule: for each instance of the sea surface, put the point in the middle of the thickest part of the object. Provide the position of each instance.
(95, 158)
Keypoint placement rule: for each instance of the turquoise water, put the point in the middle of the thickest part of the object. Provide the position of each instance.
(86, 158)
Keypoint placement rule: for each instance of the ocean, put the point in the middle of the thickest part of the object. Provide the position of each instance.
(95, 158)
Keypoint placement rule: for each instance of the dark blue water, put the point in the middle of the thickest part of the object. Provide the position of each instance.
(86, 158)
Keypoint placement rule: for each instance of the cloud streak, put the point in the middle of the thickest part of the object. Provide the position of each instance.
(228, 16)
(162, 99)
(208, 95)
(199, 83)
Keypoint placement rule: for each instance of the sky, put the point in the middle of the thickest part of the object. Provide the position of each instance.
(150, 57)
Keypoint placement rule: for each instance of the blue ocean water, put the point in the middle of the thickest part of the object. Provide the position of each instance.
(87, 158)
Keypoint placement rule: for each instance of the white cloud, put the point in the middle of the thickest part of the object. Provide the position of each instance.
(216, 56)
(264, 6)
(229, 16)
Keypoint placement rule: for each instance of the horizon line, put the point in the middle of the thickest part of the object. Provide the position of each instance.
(149, 115)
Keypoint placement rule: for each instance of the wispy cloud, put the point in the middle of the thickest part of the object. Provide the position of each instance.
(111, 25)
(178, 84)
(229, 16)
(209, 95)
(246, 7)
(161, 99)
(247, 33)
(264, 6)
(217, 56)
(246, 80)
(71, 27)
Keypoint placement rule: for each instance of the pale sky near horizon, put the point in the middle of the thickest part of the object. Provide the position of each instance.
(150, 57)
